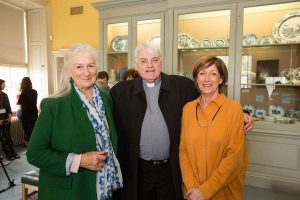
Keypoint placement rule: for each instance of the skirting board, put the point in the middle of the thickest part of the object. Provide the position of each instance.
(273, 183)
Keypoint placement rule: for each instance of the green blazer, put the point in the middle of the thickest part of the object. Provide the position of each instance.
(63, 127)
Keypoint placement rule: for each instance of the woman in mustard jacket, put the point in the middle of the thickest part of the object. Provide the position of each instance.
(212, 151)
(74, 139)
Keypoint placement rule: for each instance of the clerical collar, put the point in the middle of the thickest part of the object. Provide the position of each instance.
(155, 83)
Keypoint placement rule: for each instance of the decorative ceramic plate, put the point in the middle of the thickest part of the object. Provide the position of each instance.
(206, 43)
(249, 39)
(287, 29)
(156, 40)
(219, 43)
(270, 118)
(194, 44)
(260, 112)
(266, 39)
(184, 40)
(293, 112)
(296, 76)
(249, 108)
(120, 43)
(284, 120)
(275, 110)
(288, 73)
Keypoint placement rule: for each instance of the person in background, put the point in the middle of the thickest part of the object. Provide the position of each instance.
(147, 113)
(102, 81)
(74, 138)
(130, 74)
(5, 117)
(29, 112)
(212, 151)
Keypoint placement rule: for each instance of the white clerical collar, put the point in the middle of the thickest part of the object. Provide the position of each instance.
(150, 84)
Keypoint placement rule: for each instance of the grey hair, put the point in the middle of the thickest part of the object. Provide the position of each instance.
(64, 81)
(150, 47)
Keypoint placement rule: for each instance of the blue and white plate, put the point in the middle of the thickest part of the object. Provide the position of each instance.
(155, 40)
(250, 108)
(287, 29)
(219, 43)
(194, 44)
(250, 39)
(266, 40)
(270, 118)
(206, 43)
(120, 43)
(296, 76)
(293, 112)
(260, 112)
(184, 40)
(277, 111)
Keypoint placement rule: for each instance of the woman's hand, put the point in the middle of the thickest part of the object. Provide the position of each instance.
(93, 160)
(248, 121)
(194, 194)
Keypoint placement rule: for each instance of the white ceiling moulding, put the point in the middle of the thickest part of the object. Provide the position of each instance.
(26, 4)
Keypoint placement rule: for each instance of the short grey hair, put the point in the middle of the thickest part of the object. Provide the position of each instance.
(150, 47)
(64, 82)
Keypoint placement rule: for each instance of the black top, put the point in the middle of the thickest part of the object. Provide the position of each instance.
(28, 100)
(4, 104)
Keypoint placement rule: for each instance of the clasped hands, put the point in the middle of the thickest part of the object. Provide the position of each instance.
(194, 194)
(93, 160)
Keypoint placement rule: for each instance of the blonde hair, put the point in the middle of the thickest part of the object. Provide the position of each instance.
(64, 86)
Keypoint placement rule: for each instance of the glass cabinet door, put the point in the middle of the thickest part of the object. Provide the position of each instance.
(148, 28)
(116, 50)
(270, 74)
(199, 34)
(149, 31)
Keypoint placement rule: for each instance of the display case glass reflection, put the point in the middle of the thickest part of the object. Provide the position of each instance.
(200, 34)
(149, 31)
(270, 75)
(117, 48)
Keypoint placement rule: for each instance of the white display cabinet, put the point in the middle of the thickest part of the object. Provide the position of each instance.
(259, 42)
(123, 26)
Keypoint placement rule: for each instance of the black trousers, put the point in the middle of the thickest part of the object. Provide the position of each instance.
(155, 182)
(7, 143)
(28, 124)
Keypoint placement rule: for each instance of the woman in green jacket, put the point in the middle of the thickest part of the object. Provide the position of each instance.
(74, 138)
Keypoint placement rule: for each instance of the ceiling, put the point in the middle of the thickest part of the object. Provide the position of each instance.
(26, 4)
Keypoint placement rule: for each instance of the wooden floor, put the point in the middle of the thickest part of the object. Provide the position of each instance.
(18, 167)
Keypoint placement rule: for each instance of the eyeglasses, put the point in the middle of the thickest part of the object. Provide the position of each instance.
(208, 123)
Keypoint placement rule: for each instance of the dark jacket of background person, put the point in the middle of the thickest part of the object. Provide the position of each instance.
(102, 81)
(5, 116)
(28, 102)
(129, 121)
(4, 105)
(64, 126)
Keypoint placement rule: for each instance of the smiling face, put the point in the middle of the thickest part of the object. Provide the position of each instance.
(83, 70)
(208, 81)
(149, 65)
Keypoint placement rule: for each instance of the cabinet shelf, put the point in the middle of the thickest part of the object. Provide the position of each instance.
(271, 45)
(261, 84)
(203, 48)
(244, 46)
(117, 52)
